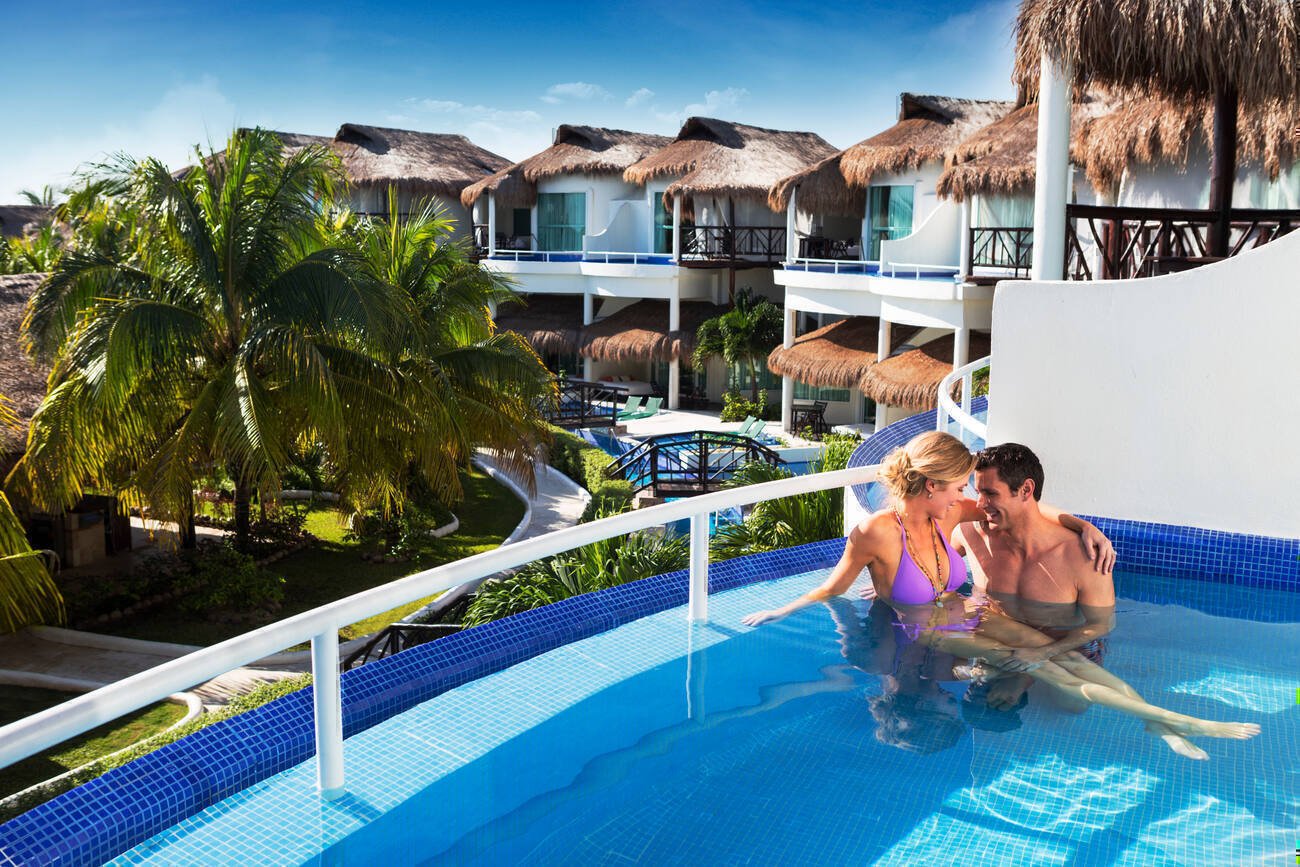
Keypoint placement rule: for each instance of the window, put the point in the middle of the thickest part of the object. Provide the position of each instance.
(1012, 212)
(889, 216)
(564, 363)
(804, 391)
(767, 380)
(693, 381)
(521, 225)
(561, 220)
(662, 226)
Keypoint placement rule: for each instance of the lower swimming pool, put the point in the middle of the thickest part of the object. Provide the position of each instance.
(660, 743)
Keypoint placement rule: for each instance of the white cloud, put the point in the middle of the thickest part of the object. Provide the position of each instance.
(717, 103)
(574, 91)
(187, 114)
(473, 113)
(640, 96)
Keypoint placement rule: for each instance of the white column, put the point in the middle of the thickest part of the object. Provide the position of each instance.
(791, 236)
(883, 336)
(327, 698)
(492, 225)
(697, 602)
(677, 228)
(787, 382)
(960, 347)
(588, 316)
(1052, 171)
(674, 366)
(963, 266)
(650, 220)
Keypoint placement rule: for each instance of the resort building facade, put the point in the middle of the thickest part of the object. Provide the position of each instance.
(650, 235)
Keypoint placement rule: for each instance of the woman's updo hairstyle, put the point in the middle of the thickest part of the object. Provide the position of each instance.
(932, 455)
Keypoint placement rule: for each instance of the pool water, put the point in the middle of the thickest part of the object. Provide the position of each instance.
(659, 743)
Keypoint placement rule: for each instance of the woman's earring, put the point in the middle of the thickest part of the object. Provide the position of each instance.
(929, 495)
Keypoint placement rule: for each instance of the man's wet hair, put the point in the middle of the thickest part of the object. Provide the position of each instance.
(1014, 464)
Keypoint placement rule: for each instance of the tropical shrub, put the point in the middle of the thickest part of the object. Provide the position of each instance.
(744, 335)
(600, 565)
(226, 580)
(788, 521)
(737, 407)
(585, 465)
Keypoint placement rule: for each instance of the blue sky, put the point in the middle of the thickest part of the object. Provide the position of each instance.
(156, 78)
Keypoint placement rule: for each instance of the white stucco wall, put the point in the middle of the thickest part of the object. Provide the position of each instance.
(601, 190)
(1164, 399)
(1167, 186)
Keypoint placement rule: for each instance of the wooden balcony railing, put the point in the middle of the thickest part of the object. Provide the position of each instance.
(1114, 243)
(733, 243)
(1111, 243)
(1002, 247)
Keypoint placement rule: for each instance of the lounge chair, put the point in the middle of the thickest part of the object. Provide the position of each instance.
(629, 409)
(651, 408)
(745, 425)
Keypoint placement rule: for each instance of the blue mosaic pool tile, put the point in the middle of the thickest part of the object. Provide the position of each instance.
(105, 817)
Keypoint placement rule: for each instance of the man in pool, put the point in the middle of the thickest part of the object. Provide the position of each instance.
(1032, 568)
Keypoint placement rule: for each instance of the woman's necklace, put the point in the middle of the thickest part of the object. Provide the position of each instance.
(936, 580)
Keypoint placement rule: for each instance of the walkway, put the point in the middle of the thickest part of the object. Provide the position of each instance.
(67, 659)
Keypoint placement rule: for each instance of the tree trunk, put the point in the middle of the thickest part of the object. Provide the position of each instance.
(1223, 168)
(753, 380)
(189, 538)
(243, 508)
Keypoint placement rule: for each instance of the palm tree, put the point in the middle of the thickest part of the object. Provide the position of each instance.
(468, 386)
(27, 593)
(745, 334)
(206, 326)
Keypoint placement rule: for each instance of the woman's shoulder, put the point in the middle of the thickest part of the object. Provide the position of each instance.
(878, 525)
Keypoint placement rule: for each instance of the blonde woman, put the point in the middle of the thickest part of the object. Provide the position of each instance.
(916, 570)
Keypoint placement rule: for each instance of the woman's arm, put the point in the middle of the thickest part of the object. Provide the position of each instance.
(857, 555)
(1096, 547)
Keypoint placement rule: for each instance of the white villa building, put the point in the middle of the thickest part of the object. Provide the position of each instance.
(651, 234)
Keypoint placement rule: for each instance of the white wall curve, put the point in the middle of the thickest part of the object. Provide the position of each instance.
(1159, 399)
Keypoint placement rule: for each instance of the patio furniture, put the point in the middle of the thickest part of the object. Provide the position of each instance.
(812, 416)
(629, 409)
(651, 408)
(745, 425)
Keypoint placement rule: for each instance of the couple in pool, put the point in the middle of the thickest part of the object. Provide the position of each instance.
(1029, 561)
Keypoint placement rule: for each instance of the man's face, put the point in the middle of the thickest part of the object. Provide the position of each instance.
(996, 499)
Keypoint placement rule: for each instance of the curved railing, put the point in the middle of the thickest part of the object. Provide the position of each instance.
(40, 731)
(962, 415)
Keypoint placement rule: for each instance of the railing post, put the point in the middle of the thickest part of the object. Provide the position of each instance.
(327, 697)
(697, 606)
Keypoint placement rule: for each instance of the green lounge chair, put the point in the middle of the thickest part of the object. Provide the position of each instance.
(629, 409)
(651, 408)
(745, 425)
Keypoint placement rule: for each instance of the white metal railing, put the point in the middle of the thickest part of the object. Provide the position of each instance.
(849, 266)
(915, 267)
(636, 258)
(40, 731)
(948, 408)
(538, 255)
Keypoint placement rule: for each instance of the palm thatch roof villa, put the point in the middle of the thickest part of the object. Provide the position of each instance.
(870, 242)
(619, 217)
(421, 165)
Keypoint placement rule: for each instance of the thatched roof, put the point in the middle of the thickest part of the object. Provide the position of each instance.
(1000, 158)
(550, 323)
(1177, 48)
(579, 150)
(928, 128)
(431, 163)
(18, 220)
(834, 356)
(639, 332)
(721, 158)
(1161, 130)
(910, 379)
(21, 379)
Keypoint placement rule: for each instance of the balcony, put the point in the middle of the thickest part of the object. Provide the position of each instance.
(731, 246)
(1117, 243)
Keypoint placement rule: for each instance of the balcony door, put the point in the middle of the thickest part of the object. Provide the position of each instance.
(889, 216)
(561, 221)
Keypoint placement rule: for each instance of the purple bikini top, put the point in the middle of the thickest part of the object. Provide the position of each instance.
(911, 587)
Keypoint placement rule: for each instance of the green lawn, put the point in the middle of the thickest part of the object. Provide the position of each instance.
(17, 702)
(333, 569)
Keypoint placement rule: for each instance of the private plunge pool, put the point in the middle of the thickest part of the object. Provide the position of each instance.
(607, 729)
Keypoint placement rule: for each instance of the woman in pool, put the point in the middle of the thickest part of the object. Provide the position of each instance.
(916, 570)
